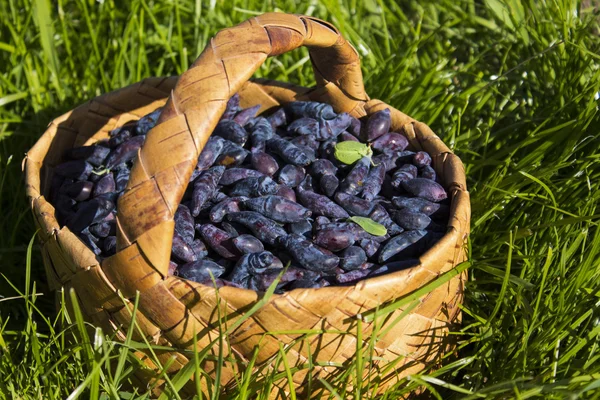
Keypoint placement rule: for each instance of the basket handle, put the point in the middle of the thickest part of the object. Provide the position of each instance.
(164, 164)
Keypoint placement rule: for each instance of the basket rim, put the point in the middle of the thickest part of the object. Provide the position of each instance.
(451, 236)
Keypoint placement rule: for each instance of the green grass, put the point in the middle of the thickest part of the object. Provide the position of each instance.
(512, 87)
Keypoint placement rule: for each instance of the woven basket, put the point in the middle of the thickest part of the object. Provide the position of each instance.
(173, 310)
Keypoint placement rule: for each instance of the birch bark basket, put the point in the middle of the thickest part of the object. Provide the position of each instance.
(172, 311)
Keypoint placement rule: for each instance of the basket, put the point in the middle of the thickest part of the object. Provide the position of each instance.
(172, 311)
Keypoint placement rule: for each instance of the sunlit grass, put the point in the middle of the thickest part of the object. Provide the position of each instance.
(511, 86)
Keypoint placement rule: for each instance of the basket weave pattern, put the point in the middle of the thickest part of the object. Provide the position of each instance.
(171, 310)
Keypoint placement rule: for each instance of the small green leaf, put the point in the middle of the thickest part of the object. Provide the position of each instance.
(350, 152)
(370, 226)
(101, 172)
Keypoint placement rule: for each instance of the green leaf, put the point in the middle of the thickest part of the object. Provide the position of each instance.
(370, 226)
(350, 152)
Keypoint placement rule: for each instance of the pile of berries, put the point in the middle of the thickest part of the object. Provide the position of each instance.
(305, 194)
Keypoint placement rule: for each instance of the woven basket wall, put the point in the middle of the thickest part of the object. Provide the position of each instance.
(172, 310)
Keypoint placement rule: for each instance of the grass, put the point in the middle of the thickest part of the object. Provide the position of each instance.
(512, 87)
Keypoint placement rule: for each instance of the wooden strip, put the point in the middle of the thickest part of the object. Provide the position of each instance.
(95, 290)
(129, 271)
